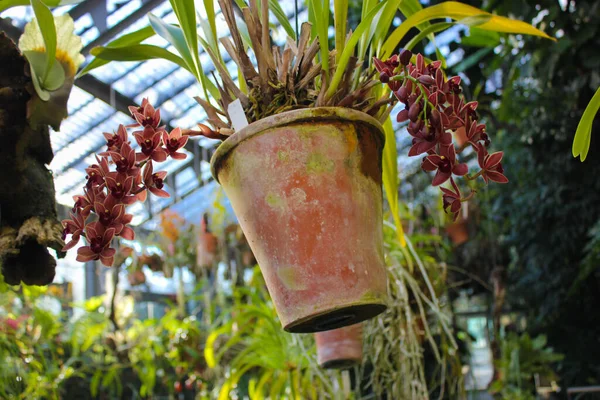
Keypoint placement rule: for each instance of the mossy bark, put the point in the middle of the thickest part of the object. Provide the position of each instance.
(28, 219)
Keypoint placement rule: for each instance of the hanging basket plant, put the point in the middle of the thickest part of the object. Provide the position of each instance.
(303, 152)
(340, 348)
(36, 80)
(136, 277)
(206, 245)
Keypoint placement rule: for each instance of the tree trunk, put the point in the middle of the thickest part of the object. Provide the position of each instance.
(28, 220)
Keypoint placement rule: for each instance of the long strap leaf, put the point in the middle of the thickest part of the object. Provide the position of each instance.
(457, 11)
(135, 37)
(137, 52)
(349, 49)
(45, 21)
(390, 176)
(583, 135)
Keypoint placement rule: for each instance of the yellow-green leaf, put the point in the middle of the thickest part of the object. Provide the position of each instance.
(457, 11)
(390, 176)
(135, 37)
(137, 52)
(583, 135)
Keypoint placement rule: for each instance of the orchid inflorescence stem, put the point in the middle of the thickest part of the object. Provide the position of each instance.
(122, 177)
(435, 110)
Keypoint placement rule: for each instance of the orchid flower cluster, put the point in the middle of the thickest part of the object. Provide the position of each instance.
(436, 111)
(121, 177)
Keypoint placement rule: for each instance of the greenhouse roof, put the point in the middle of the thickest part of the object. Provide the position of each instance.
(99, 100)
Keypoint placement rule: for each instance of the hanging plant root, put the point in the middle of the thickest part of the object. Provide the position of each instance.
(28, 219)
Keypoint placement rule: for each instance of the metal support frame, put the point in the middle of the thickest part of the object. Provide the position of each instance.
(107, 35)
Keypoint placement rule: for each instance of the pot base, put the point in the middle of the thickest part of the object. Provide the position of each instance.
(340, 364)
(333, 319)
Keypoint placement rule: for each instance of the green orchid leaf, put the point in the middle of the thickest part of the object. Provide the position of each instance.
(175, 36)
(50, 109)
(349, 49)
(390, 176)
(135, 37)
(186, 15)
(37, 62)
(583, 135)
(457, 11)
(481, 38)
(45, 21)
(319, 17)
(340, 10)
(137, 52)
(55, 77)
(434, 28)
(282, 18)
(367, 6)
(211, 19)
(382, 26)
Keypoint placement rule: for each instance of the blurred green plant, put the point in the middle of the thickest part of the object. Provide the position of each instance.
(522, 358)
(250, 351)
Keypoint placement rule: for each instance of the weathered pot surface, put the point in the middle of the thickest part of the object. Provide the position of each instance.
(306, 188)
(340, 348)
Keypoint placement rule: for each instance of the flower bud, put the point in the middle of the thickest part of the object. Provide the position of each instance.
(426, 80)
(434, 117)
(384, 77)
(405, 56)
(413, 112)
(402, 94)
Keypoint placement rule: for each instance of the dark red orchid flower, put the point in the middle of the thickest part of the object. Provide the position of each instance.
(115, 140)
(97, 172)
(124, 160)
(112, 215)
(85, 203)
(445, 164)
(74, 227)
(451, 199)
(491, 166)
(154, 181)
(146, 115)
(119, 187)
(174, 141)
(99, 239)
(149, 140)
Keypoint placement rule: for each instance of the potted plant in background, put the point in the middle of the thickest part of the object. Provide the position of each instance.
(340, 348)
(206, 245)
(310, 160)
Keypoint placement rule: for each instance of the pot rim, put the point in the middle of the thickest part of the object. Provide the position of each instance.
(288, 118)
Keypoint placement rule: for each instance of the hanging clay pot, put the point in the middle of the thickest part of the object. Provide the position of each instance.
(340, 348)
(207, 245)
(136, 278)
(458, 232)
(306, 188)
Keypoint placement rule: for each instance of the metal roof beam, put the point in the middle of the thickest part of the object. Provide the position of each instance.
(109, 34)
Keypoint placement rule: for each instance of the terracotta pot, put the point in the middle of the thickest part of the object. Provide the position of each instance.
(136, 278)
(340, 348)
(306, 188)
(207, 249)
(458, 232)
